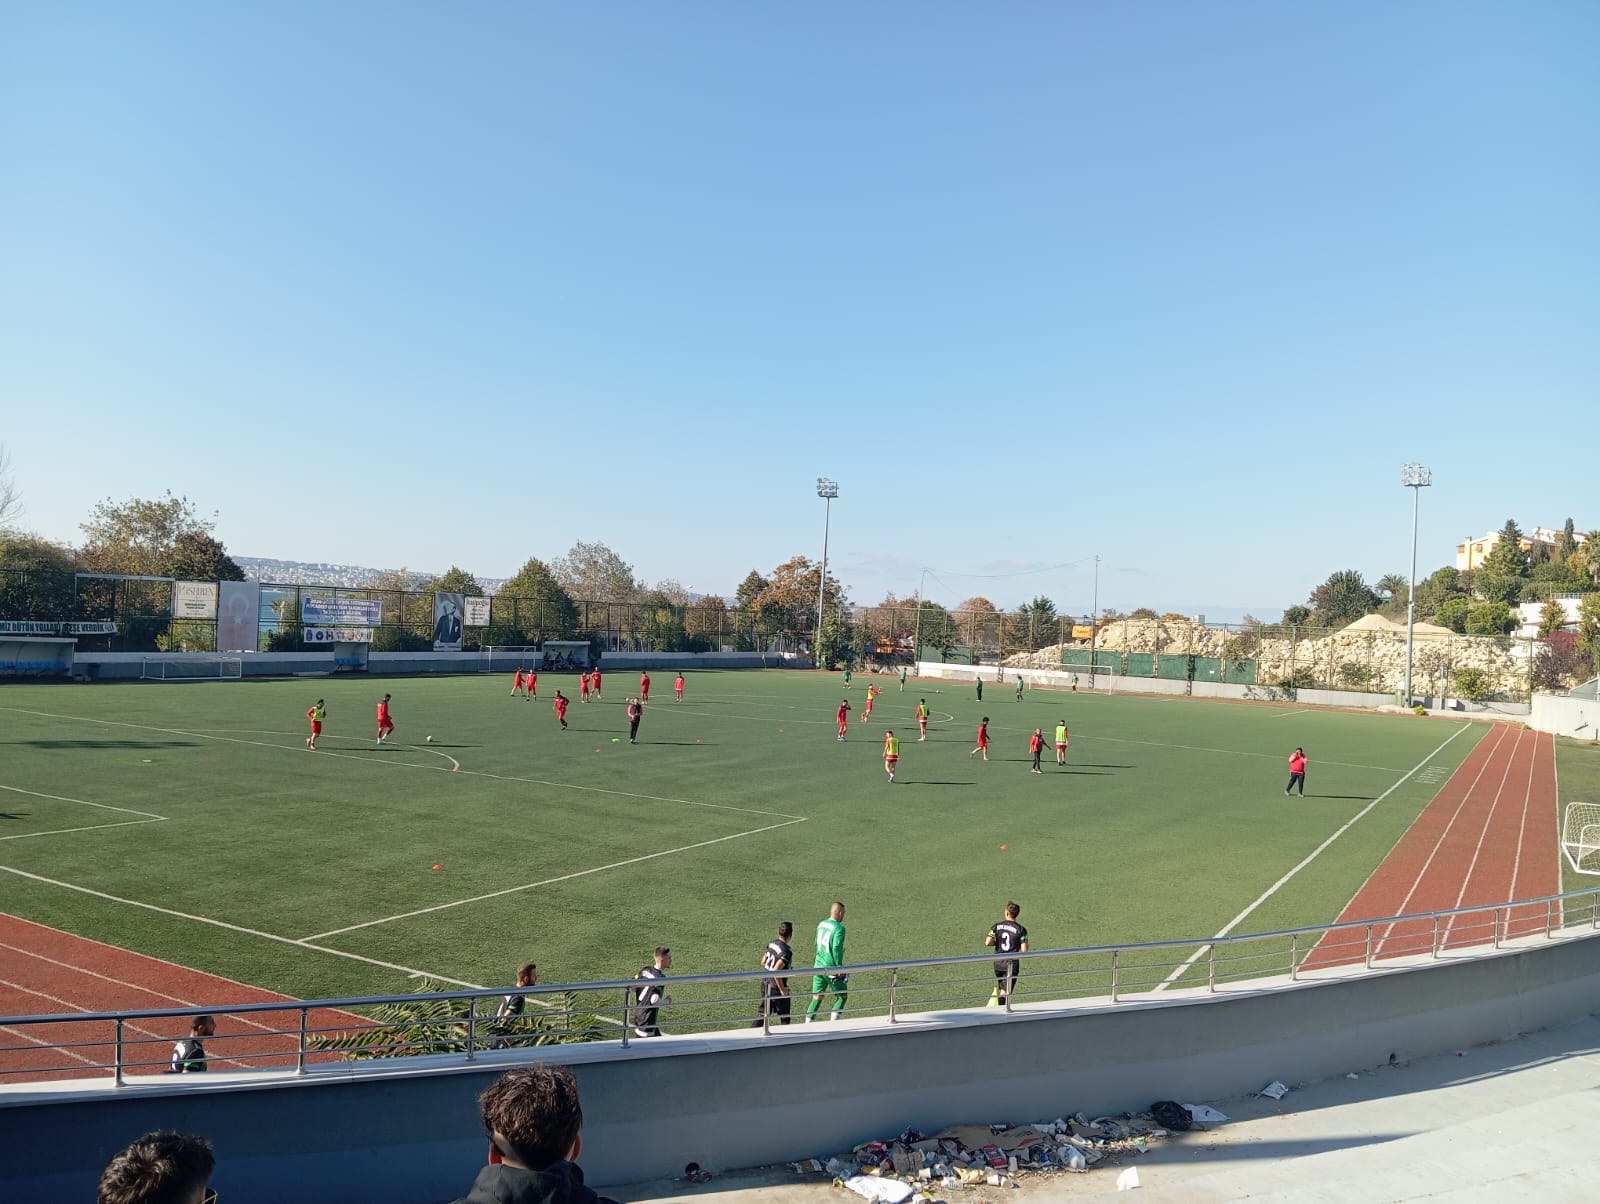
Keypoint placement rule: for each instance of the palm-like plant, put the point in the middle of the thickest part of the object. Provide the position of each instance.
(1392, 586)
(434, 1025)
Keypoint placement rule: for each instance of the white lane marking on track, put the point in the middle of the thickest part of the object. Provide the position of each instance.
(512, 890)
(327, 752)
(158, 1038)
(1307, 860)
(256, 932)
(61, 798)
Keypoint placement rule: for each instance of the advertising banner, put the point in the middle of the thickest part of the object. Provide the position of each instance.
(337, 635)
(194, 599)
(239, 617)
(341, 612)
(477, 612)
(447, 622)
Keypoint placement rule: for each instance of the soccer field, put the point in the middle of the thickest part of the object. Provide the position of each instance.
(189, 822)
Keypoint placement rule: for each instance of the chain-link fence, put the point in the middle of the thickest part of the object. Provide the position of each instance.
(1368, 656)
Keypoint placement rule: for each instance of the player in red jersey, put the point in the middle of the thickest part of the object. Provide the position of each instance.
(562, 702)
(583, 687)
(644, 687)
(983, 739)
(531, 682)
(872, 697)
(594, 683)
(385, 723)
(516, 684)
(316, 714)
(677, 688)
(844, 717)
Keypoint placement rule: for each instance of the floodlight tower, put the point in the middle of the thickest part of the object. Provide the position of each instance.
(827, 490)
(1415, 478)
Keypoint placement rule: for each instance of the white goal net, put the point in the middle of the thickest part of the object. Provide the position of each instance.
(1580, 837)
(508, 658)
(191, 668)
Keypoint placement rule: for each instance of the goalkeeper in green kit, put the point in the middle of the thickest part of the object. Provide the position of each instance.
(830, 955)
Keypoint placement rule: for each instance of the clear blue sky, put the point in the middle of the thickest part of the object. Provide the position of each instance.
(1178, 284)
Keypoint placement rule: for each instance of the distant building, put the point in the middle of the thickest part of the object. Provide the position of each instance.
(1529, 614)
(1470, 553)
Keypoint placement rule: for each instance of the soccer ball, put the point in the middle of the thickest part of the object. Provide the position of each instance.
(430, 739)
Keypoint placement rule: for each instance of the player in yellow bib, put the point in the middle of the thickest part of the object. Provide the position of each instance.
(891, 753)
(922, 720)
(1061, 743)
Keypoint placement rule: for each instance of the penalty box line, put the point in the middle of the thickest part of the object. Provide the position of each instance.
(147, 817)
(512, 890)
(1307, 860)
(364, 760)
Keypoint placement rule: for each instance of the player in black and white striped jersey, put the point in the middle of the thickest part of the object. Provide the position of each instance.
(775, 990)
(1010, 937)
(650, 994)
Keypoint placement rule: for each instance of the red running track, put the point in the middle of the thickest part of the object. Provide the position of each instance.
(45, 971)
(1489, 835)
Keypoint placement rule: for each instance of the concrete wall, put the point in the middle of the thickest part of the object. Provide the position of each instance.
(126, 666)
(1563, 716)
(410, 1135)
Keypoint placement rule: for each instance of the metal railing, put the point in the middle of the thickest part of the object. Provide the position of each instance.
(463, 1023)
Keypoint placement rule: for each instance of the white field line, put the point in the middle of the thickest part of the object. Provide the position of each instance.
(1500, 739)
(1307, 860)
(364, 760)
(512, 890)
(126, 823)
(255, 932)
(59, 798)
(1282, 714)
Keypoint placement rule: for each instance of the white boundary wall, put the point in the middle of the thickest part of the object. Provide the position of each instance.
(1563, 716)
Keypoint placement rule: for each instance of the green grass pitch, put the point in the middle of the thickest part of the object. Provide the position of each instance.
(737, 809)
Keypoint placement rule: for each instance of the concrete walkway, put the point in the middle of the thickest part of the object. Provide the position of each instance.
(1512, 1121)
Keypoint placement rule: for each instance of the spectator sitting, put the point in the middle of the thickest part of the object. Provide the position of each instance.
(160, 1168)
(189, 1055)
(532, 1117)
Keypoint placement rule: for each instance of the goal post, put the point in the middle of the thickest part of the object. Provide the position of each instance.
(507, 658)
(1580, 837)
(191, 668)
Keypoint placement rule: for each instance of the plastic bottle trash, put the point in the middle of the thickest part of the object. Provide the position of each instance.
(1011, 1164)
(1129, 1179)
(1072, 1158)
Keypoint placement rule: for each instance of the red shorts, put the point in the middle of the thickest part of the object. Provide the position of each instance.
(1060, 746)
(891, 757)
(316, 728)
(983, 742)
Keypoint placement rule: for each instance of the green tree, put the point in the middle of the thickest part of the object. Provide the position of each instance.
(1393, 588)
(1565, 576)
(1035, 625)
(35, 578)
(1470, 682)
(1296, 616)
(1143, 612)
(1589, 626)
(661, 622)
(1490, 618)
(1586, 560)
(1343, 598)
(1566, 544)
(1552, 617)
(789, 601)
(196, 556)
(978, 620)
(141, 536)
(706, 621)
(1436, 590)
(533, 603)
(1507, 559)
(10, 498)
(1494, 583)
(453, 581)
(592, 572)
(1452, 613)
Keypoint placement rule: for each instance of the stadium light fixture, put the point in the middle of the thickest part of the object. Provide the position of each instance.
(827, 490)
(1415, 478)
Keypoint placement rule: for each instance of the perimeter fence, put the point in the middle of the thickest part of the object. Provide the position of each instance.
(1170, 646)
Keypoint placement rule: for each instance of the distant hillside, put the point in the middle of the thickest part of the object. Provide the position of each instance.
(347, 576)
